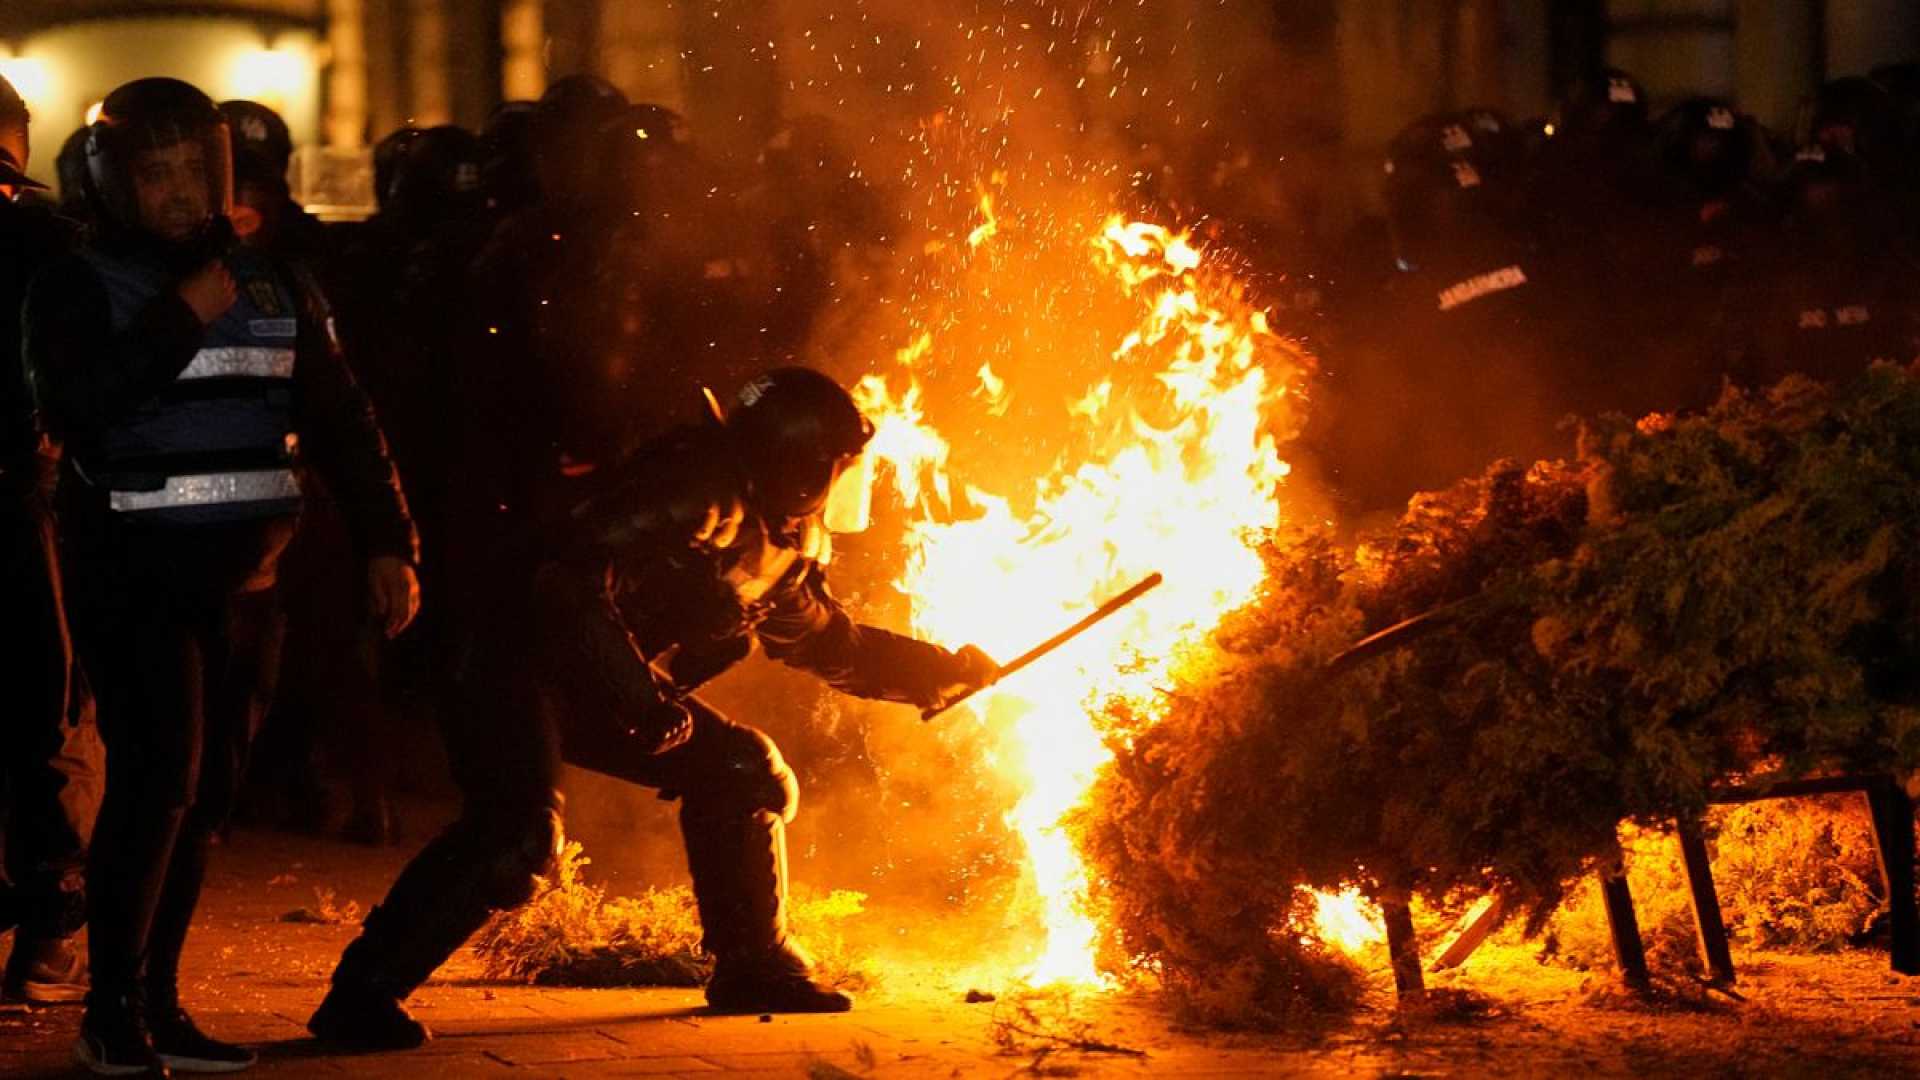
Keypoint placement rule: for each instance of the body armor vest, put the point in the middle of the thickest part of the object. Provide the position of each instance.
(218, 444)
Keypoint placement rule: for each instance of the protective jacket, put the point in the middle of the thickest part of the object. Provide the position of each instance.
(671, 565)
(30, 238)
(167, 422)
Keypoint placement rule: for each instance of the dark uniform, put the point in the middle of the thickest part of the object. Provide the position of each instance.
(263, 152)
(1709, 213)
(413, 257)
(184, 445)
(689, 557)
(1832, 291)
(1463, 359)
(50, 760)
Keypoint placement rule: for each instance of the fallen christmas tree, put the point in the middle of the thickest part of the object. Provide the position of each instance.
(1686, 601)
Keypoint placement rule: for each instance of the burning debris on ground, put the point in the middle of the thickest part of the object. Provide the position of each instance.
(1360, 526)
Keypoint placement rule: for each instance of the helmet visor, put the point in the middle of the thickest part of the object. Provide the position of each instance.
(193, 161)
(849, 507)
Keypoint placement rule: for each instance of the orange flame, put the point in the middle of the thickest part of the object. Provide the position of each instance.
(1181, 476)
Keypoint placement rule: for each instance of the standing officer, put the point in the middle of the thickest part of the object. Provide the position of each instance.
(1460, 362)
(190, 381)
(49, 750)
(1833, 292)
(705, 543)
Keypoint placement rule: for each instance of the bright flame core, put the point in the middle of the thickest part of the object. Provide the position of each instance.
(1180, 474)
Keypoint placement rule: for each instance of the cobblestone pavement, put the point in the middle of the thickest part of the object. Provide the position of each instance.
(254, 976)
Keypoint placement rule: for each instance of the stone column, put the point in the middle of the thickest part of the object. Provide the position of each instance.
(1776, 59)
(1528, 59)
(1477, 68)
(523, 47)
(346, 119)
(429, 86)
(639, 51)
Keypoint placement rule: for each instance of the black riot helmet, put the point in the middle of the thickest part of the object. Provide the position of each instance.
(657, 123)
(506, 167)
(13, 141)
(387, 155)
(796, 432)
(70, 169)
(438, 178)
(1452, 185)
(1711, 146)
(1609, 104)
(259, 131)
(576, 96)
(1859, 117)
(1832, 196)
(644, 144)
(567, 131)
(154, 114)
(1902, 83)
(14, 118)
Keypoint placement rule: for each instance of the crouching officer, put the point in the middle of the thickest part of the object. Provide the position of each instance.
(706, 542)
(188, 381)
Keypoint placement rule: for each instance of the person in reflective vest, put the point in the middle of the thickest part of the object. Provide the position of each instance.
(190, 384)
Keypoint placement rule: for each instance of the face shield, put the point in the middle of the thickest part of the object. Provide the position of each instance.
(849, 506)
(157, 166)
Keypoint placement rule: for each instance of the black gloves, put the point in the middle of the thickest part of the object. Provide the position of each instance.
(970, 669)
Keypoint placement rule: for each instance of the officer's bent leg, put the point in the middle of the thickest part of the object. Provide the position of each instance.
(505, 759)
(737, 794)
(483, 863)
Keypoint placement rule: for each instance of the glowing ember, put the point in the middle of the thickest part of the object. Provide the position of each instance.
(1177, 472)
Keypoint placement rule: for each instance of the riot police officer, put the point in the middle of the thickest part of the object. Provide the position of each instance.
(708, 542)
(1858, 117)
(70, 170)
(1709, 212)
(1458, 364)
(190, 381)
(269, 217)
(49, 755)
(1595, 172)
(412, 257)
(1830, 293)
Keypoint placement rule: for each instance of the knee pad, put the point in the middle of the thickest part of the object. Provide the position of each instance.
(753, 778)
(521, 847)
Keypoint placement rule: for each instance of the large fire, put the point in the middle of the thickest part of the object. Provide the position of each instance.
(1180, 473)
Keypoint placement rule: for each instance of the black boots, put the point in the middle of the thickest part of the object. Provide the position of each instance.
(114, 1040)
(740, 883)
(774, 981)
(185, 1048)
(363, 1018)
(393, 954)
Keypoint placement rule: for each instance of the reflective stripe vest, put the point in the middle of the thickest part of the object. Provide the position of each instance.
(218, 444)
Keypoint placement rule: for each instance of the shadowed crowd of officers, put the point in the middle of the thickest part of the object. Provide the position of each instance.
(535, 309)
(1608, 260)
(197, 486)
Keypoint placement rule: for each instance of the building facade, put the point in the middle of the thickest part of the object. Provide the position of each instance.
(346, 71)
